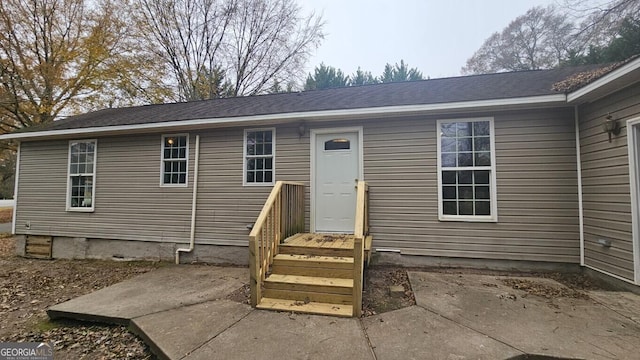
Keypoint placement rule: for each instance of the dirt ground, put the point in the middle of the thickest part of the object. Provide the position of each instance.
(6, 215)
(28, 287)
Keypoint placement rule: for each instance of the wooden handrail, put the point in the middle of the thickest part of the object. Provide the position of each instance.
(282, 215)
(361, 230)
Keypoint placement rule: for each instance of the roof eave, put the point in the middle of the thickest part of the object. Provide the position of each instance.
(613, 81)
(324, 115)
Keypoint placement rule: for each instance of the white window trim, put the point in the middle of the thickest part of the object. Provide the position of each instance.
(244, 157)
(492, 178)
(186, 181)
(93, 188)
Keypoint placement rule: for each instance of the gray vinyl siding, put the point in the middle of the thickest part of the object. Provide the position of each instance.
(536, 190)
(129, 202)
(605, 183)
(536, 187)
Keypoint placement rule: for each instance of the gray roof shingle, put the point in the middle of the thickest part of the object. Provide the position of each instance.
(433, 91)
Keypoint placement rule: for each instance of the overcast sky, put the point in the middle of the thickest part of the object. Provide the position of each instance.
(436, 36)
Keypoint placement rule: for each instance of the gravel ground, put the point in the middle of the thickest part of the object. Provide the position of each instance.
(28, 287)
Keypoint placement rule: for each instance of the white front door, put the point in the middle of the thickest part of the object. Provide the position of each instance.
(337, 167)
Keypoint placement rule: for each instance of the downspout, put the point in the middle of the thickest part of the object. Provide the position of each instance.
(192, 236)
(579, 170)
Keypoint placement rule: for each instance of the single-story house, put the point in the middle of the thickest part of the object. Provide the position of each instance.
(518, 170)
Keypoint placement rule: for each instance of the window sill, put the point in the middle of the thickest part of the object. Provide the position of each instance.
(174, 185)
(258, 184)
(85, 210)
(486, 219)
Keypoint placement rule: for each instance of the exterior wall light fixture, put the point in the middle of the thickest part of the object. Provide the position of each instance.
(611, 126)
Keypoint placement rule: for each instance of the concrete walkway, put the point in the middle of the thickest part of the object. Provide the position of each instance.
(182, 313)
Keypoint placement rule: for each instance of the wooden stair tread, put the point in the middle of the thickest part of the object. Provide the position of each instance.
(313, 258)
(309, 280)
(309, 308)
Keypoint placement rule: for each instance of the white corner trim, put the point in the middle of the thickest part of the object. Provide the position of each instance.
(579, 171)
(319, 115)
(15, 190)
(273, 157)
(312, 161)
(633, 143)
(615, 74)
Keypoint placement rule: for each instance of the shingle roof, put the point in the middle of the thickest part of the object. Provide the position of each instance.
(433, 91)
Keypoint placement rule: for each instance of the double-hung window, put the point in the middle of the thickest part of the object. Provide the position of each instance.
(259, 162)
(175, 150)
(466, 170)
(81, 175)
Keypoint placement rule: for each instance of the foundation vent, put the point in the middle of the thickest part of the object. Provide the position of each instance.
(38, 247)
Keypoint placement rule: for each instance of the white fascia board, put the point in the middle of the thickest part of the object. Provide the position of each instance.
(614, 75)
(311, 115)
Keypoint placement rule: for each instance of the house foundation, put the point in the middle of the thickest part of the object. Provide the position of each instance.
(108, 249)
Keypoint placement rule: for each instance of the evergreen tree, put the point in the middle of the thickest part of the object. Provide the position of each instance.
(326, 77)
(400, 72)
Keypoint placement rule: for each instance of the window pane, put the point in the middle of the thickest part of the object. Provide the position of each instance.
(465, 177)
(268, 149)
(465, 159)
(167, 179)
(251, 176)
(465, 192)
(268, 163)
(449, 208)
(483, 159)
(464, 144)
(481, 128)
(449, 177)
(259, 176)
(251, 164)
(259, 149)
(482, 144)
(448, 145)
(183, 166)
(481, 176)
(268, 136)
(82, 168)
(182, 141)
(464, 129)
(183, 178)
(73, 169)
(448, 129)
(449, 192)
(175, 153)
(259, 164)
(337, 144)
(465, 208)
(448, 160)
(174, 178)
(483, 208)
(482, 192)
(268, 176)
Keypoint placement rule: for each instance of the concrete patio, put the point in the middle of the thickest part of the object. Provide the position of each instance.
(182, 313)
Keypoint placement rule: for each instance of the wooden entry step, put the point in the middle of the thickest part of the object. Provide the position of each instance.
(314, 274)
(306, 307)
(311, 265)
